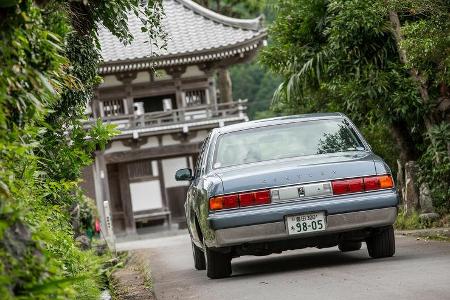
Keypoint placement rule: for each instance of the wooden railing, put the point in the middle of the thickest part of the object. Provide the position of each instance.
(178, 116)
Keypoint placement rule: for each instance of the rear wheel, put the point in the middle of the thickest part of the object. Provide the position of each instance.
(218, 265)
(381, 244)
(199, 257)
(349, 246)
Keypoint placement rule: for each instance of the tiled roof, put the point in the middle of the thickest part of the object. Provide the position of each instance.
(194, 34)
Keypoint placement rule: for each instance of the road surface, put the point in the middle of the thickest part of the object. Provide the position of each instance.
(419, 270)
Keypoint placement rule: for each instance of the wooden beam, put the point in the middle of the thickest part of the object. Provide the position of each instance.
(125, 195)
(152, 153)
(162, 184)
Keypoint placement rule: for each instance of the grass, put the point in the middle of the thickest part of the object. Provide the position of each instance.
(408, 222)
(134, 279)
(413, 221)
(438, 237)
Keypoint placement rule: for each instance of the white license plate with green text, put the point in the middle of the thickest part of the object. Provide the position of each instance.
(306, 223)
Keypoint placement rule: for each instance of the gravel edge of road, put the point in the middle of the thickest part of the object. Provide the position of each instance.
(440, 234)
(133, 281)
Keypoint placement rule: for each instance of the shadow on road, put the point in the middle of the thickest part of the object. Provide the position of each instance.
(286, 262)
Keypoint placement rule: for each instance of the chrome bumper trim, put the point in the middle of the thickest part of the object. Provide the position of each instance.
(277, 230)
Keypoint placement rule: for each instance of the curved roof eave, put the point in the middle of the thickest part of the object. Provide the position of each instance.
(251, 24)
(162, 61)
(194, 34)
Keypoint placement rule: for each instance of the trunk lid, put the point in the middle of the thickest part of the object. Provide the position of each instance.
(299, 170)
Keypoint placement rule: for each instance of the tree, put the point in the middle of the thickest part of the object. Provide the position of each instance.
(253, 82)
(422, 31)
(48, 70)
(347, 56)
(232, 8)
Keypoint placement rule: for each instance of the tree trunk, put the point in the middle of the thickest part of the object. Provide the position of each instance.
(225, 86)
(433, 117)
(400, 133)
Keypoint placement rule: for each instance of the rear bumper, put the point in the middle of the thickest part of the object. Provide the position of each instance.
(277, 231)
(276, 212)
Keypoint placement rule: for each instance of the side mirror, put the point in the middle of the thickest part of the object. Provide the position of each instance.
(183, 175)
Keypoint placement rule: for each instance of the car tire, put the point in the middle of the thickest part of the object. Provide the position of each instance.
(349, 246)
(218, 265)
(199, 257)
(381, 244)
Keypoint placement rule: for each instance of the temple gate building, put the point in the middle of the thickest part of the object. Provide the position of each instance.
(164, 103)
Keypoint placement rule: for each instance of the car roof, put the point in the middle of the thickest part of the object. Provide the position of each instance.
(277, 121)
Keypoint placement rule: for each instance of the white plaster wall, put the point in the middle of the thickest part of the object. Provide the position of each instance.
(167, 139)
(170, 166)
(201, 135)
(117, 146)
(110, 80)
(192, 71)
(145, 195)
(151, 143)
(155, 170)
(142, 77)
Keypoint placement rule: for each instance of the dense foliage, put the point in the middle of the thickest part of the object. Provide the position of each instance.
(384, 63)
(250, 81)
(47, 73)
(234, 8)
(256, 84)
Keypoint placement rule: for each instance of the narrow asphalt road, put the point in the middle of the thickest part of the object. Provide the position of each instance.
(419, 270)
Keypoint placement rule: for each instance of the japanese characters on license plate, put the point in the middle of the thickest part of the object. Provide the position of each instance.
(306, 223)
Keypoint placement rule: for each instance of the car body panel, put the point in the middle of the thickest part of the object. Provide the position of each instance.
(277, 230)
(277, 211)
(210, 182)
(296, 171)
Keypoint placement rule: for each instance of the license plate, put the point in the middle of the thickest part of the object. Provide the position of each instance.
(306, 223)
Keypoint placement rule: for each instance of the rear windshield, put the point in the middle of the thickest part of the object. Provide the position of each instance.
(285, 141)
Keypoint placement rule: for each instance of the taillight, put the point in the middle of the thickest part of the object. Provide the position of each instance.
(371, 183)
(254, 198)
(347, 186)
(230, 201)
(379, 182)
(240, 200)
(216, 203)
(262, 197)
(356, 185)
(224, 202)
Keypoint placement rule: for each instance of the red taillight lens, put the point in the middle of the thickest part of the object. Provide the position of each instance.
(254, 198)
(339, 187)
(230, 201)
(262, 197)
(240, 200)
(347, 186)
(371, 183)
(246, 199)
(356, 185)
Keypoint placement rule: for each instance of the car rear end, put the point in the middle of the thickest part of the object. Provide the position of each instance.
(336, 192)
(357, 205)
